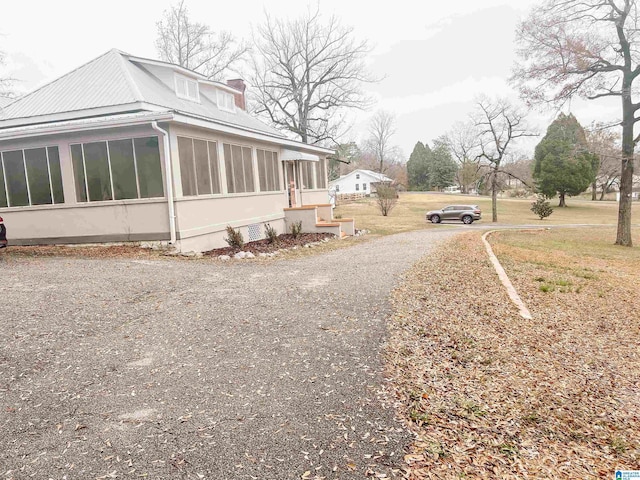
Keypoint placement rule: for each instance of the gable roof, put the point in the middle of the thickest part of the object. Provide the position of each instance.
(116, 83)
(378, 177)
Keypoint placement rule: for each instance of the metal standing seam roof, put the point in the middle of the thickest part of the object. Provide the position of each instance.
(98, 83)
(118, 79)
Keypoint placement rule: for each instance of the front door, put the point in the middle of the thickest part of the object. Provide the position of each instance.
(291, 183)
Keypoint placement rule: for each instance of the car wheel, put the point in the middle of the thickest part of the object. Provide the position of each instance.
(435, 218)
(467, 219)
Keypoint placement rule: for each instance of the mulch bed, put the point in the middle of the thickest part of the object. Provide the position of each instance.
(285, 241)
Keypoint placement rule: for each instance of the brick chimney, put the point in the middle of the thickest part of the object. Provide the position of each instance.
(239, 84)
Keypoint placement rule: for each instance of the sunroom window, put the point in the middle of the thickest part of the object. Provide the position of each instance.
(117, 169)
(30, 177)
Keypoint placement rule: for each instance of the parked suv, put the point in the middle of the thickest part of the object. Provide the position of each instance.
(465, 213)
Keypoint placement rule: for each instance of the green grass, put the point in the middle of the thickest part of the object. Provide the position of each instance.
(409, 213)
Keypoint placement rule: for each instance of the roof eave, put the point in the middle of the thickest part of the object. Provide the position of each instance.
(83, 124)
(77, 114)
(190, 119)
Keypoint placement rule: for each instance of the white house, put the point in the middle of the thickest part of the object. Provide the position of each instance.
(125, 148)
(358, 181)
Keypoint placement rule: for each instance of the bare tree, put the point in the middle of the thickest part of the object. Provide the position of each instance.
(499, 123)
(605, 144)
(194, 45)
(382, 127)
(586, 48)
(6, 83)
(306, 72)
(462, 141)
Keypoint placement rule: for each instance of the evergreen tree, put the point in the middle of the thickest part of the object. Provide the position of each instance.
(442, 167)
(563, 164)
(417, 167)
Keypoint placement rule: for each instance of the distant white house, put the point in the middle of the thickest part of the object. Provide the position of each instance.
(358, 181)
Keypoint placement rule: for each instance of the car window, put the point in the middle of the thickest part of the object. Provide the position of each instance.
(446, 209)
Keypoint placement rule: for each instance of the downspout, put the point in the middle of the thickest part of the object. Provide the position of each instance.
(169, 180)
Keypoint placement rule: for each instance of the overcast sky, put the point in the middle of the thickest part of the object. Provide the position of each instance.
(435, 56)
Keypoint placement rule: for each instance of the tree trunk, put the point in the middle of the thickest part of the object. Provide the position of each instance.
(604, 190)
(562, 203)
(594, 191)
(494, 195)
(623, 236)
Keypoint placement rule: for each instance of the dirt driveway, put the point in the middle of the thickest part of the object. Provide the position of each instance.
(172, 369)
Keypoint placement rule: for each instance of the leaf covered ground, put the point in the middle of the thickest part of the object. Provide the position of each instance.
(491, 395)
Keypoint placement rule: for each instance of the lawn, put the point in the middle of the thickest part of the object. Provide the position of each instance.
(491, 395)
(411, 207)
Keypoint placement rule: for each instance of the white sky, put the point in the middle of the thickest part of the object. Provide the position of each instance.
(435, 56)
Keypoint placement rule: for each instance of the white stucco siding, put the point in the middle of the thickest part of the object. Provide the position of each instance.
(120, 222)
(314, 197)
(201, 216)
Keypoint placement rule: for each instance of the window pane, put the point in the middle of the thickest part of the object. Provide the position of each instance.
(238, 176)
(123, 169)
(38, 174)
(322, 175)
(248, 170)
(276, 170)
(192, 89)
(3, 191)
(78, 173)
(215, 167)
(56, 174)
(262, 173)
(268, 171)
(149, 167)
(187, 170)
(304, 166)
(97, 167)
(16, 179)
(202, 167)
(228, 163)
(181, 86)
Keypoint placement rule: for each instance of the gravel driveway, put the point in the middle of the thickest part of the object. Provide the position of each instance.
(172, 369)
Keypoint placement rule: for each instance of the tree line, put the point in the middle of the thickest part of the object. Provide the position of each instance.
(475, 156)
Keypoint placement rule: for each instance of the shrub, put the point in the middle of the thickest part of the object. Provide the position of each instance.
(386, 198)
(234, 237)
(296, 228)
(270, 233)
(541, 207)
